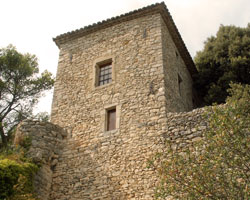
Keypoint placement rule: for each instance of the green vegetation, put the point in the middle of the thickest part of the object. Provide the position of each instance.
(20, 88)
(217, 167)
(224, 59)
(16, 175)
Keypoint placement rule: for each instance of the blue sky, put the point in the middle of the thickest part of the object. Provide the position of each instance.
(30, 25)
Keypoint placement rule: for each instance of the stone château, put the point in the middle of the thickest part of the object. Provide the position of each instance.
(122, 86)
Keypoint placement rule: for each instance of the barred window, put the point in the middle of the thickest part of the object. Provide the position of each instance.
(105, 74)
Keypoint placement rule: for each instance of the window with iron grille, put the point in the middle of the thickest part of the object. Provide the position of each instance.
(105, 74)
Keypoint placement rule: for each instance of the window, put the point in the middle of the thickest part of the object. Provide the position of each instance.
(179, 83)
(176, 54)
(105, 74)
(111, 119)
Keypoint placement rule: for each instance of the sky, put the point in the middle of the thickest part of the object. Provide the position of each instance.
(30, 25)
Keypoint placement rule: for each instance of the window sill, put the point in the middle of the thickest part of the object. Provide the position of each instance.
(103, 86)
(112, 132)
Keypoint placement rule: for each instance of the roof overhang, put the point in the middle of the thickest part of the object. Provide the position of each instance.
(152, 9)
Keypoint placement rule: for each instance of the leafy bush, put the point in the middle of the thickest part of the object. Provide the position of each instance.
(217, 167)
(16, 176)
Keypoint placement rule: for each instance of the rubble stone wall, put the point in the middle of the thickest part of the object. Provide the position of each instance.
(113, 165)
(46, 143)
(100, 164)
(97, 164)
(177, 79)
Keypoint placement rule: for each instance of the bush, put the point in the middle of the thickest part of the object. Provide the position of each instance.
(217, 167)
(16, 176)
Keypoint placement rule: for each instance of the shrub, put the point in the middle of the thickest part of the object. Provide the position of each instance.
(16, 176)
(217, 167)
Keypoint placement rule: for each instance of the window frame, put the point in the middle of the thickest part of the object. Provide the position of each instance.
(104, 118)
(104, 74)
(98, 64)
(109, 118)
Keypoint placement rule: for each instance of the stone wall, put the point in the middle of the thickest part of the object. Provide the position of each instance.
(45, 149)
(112, 165)
(177, 79)
(186, 127)
(96, 162)
(100, 164)
(137, 62)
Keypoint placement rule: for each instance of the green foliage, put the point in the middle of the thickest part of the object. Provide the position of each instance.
(16, 175)
(224, 59)
(218, 166)
(20, 88)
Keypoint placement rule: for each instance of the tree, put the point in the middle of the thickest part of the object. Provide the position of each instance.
(218, 166)
(20, 88)
(224, 59)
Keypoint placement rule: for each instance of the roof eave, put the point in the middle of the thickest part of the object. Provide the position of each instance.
(61, 39)
(152, 9)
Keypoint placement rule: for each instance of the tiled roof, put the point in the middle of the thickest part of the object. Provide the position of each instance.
(154, 8)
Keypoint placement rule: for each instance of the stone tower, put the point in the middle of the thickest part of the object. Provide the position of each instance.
(116, 82)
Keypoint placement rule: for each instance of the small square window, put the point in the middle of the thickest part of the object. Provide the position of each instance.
(111, 119)
(105, 73)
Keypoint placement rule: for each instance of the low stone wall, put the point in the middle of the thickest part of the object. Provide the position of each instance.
(185, 127)
(112, 166)
(46, 143)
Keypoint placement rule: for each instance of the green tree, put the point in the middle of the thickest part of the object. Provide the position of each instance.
(224, 59)
(20, 88)
(218, 166)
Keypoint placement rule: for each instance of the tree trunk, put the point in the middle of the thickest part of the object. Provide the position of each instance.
(3, 137)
